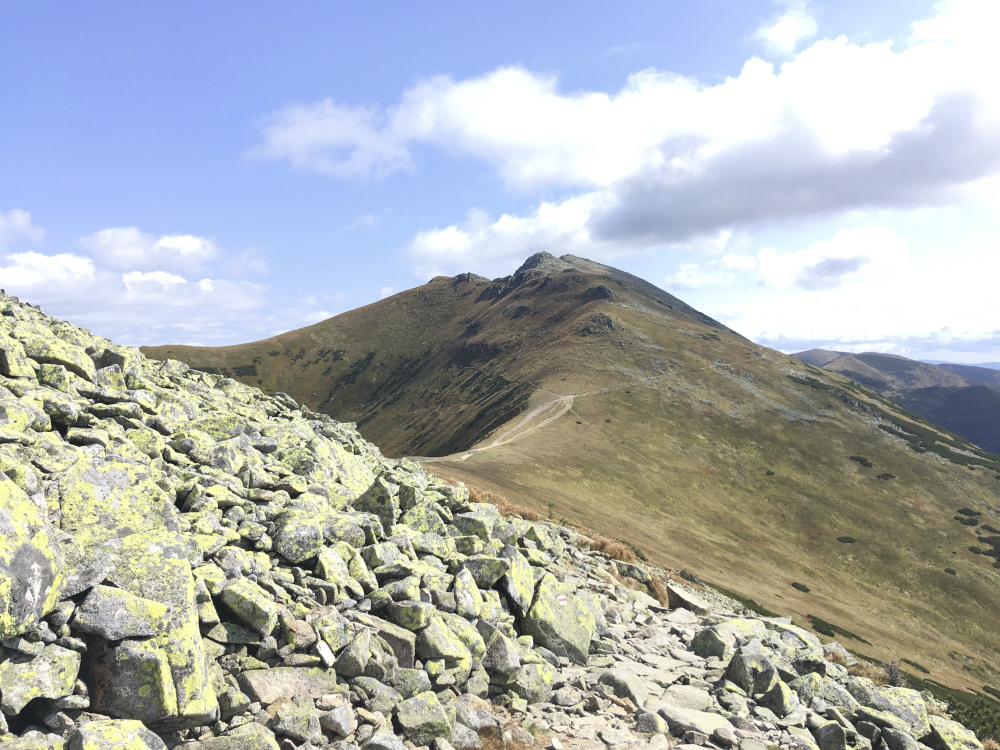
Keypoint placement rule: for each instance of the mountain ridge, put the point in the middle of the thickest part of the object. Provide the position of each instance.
(657, 427)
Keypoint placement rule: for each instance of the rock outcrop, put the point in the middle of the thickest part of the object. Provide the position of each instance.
(188, 562)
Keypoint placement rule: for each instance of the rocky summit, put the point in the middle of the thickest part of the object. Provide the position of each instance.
(187, 562)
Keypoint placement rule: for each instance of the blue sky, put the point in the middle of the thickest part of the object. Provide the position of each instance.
(811, 173)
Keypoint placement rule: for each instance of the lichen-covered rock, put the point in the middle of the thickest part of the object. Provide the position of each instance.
(558, 621)
(51, 350)
(298, 719)
(49, 674)
(32, 568)
(754, 673)
(270, 685)
(111, 734)
(950, 735)
(244, 737)
(115, 614)
(423, 718)
(252, 605)
(720, 640)
(907, 705)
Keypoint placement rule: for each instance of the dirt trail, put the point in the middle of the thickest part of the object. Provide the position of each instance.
(548, 412)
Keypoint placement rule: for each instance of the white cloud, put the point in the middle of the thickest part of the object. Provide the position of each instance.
(16, 225)
(335, 139)
(136, 288)
(35, 269)
(782, 35)
(127, 248)
(860, 253)
(385, 291)
(847, 97)
(151, 282)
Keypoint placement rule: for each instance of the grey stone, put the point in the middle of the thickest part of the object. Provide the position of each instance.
(683, 720)
(626, 684)
(830, 736)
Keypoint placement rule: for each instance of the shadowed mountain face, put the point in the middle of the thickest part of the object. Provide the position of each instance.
(598, 399)
(963, 398)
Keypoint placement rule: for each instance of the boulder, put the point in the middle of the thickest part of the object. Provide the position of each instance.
(559, 621)
(32, 566)
(423, 717)
(112, 734)
(950, 735)
(50, 674)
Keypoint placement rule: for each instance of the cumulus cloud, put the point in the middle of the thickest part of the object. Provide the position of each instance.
(823, 265)
(141, 289)
(16, 225)
(670, 159)
(32, 269)
(782, 35)
(128, 248)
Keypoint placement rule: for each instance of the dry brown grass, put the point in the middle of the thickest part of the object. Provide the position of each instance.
(935, 710)
(505, 506)
(660, 591)
(991, 744)
(629, 583)
(875, 673)
(610, 547)
(836, 657)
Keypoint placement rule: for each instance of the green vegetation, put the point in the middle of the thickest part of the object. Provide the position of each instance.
(846, 539)
(886, 476)
(969, 512)
(917, 666)
(980, 713)
(951, 571)
(245, 371)
(801, 587)
(829, 629)
(814, 383)
(862, 460)
(747, 602)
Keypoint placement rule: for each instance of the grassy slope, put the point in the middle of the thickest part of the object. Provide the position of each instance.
(673, 427)
(945, 396)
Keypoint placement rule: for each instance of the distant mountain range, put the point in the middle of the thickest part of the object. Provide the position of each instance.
(596, 398)
(963, 398)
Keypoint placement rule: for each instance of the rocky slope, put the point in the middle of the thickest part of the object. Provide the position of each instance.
(592, 397)
(186, 562)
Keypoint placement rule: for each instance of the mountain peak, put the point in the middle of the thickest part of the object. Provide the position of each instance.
(545, 262)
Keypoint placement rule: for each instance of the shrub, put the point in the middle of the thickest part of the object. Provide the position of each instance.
(800, 586)
(966, 521)
(951, 571)
(769, 473)
(846, 539)
(886, 476)
(862, 460)
(969, 512)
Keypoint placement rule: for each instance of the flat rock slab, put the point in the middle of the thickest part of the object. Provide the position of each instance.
(270, 685)
(687, 720)
(687, 696)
